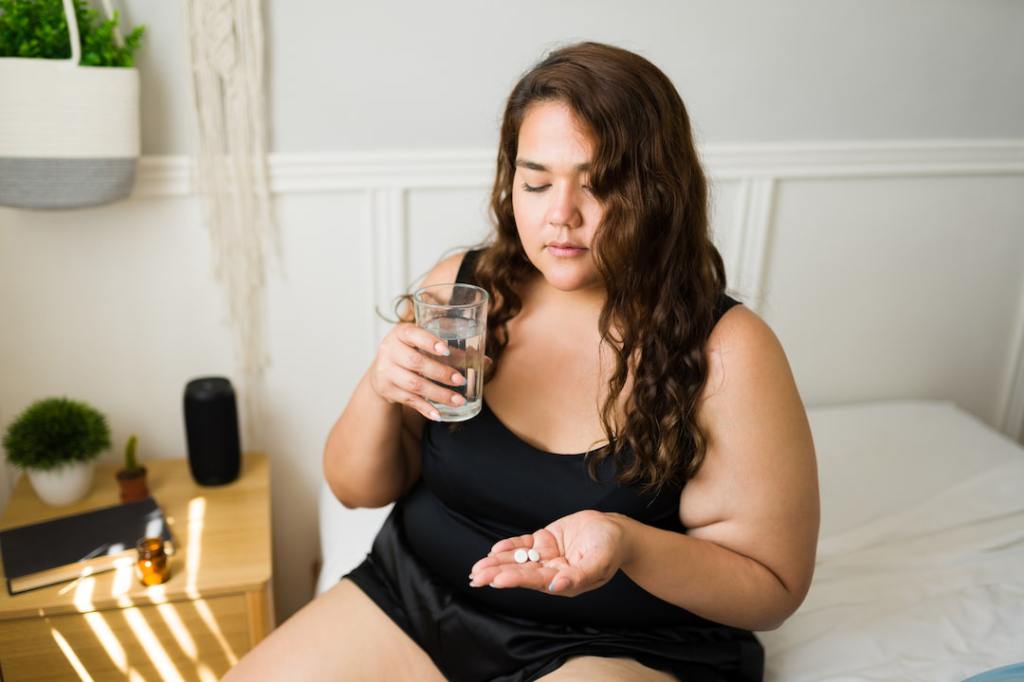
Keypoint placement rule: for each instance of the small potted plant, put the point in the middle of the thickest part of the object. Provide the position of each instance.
(56, 441)
(132, 478)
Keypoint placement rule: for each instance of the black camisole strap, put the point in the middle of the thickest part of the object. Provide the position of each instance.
(725, 302)
(467, 270)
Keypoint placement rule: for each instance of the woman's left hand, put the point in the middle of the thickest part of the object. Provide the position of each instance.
(578, 553)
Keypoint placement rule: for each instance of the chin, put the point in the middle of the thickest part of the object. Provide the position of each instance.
(570, 279)
(566, 274)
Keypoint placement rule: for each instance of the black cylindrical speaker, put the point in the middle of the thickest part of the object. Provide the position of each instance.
(211, 429)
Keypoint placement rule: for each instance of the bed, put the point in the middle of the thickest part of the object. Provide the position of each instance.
(920, 569)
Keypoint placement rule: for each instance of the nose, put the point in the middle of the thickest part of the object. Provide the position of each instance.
(564, 208)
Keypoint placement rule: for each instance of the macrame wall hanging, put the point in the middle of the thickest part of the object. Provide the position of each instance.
(226, 51)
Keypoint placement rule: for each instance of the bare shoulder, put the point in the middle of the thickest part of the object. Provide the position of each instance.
(750, 397)
(742, 342)
(757, 490)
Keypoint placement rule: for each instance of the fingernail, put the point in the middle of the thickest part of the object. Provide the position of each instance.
(435, 415)
(458, 399)
(441, 348)
(493, 585)
(551, 587)
(457, 379)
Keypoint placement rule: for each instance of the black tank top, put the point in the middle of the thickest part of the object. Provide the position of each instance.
(482, 483)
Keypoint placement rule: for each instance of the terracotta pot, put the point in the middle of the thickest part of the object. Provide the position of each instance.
(133, 484)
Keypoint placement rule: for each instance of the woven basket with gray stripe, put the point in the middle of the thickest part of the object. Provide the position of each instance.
(69, 134)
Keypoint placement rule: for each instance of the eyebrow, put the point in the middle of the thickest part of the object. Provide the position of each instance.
(533, 165)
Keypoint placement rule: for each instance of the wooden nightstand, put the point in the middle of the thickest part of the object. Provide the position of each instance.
(215, 607)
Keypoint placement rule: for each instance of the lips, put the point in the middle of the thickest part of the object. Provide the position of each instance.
(565, 250)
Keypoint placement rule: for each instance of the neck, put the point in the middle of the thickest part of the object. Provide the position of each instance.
(589, 300)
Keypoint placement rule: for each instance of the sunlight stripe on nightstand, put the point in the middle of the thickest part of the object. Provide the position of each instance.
(203, 609)
(83, 594)
(196, 514)
(173, 622)
(124, 572)
(69, 654)
(108, 640)
(151, 645)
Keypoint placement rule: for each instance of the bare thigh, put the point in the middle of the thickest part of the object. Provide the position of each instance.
(589, 668)
(342, 634)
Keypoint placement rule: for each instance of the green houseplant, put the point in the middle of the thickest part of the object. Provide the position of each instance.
(56, 441)
(69, 115)
(38, 29)
(132, 478)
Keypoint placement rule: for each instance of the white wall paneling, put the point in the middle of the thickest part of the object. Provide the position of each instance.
(1012, 423)
(386, 221)
(753, 236)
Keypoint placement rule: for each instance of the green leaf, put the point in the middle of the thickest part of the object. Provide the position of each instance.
(54, 431)
(38, 29)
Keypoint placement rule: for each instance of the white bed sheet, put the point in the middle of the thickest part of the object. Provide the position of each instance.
(920, 572)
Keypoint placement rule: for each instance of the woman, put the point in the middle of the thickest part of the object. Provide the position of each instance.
(641, 431)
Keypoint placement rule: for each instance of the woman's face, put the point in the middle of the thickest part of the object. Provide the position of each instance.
(556, 213)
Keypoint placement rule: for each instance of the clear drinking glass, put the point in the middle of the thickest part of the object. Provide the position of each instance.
(457, 314)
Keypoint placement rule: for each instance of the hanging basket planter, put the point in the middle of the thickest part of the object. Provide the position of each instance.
(69, 134)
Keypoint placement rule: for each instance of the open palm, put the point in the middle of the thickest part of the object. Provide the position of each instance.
(578, 553)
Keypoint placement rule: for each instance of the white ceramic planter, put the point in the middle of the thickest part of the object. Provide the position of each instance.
(63, 485)
(69, 134)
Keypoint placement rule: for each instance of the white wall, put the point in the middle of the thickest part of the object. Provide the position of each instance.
(399, 74)
(117, 304)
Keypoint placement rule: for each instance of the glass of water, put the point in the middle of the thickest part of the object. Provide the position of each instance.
(457, 314)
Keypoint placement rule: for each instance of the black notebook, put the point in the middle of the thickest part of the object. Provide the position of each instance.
(65, 548)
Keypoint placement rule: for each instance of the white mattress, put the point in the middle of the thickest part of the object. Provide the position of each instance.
(920, 572)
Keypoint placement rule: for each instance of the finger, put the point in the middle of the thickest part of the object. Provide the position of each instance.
(514, 543)
(508, 557)
(486, 562)
(415, 361)
(570, 581)
(534, 577)
(411, 382)
(419, 404)
(503, 559)
(559, 584)
(545, 542)
(420, 338)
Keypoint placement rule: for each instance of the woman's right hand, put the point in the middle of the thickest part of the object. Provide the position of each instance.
(405, 371)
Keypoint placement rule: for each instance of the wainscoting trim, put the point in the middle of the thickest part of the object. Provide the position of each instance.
(338, 171)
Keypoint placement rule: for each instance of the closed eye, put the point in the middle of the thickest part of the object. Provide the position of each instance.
(532, 188)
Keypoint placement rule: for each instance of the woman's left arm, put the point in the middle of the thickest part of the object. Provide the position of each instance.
(750, 560)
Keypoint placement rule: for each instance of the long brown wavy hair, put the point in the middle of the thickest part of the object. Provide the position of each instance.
(662, 274)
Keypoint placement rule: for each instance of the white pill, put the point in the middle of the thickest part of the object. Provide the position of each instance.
(534, 555)
(520, 556)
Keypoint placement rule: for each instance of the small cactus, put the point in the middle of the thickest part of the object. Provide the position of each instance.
(130, 463)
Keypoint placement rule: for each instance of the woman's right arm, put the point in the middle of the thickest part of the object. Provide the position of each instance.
(372, 456)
